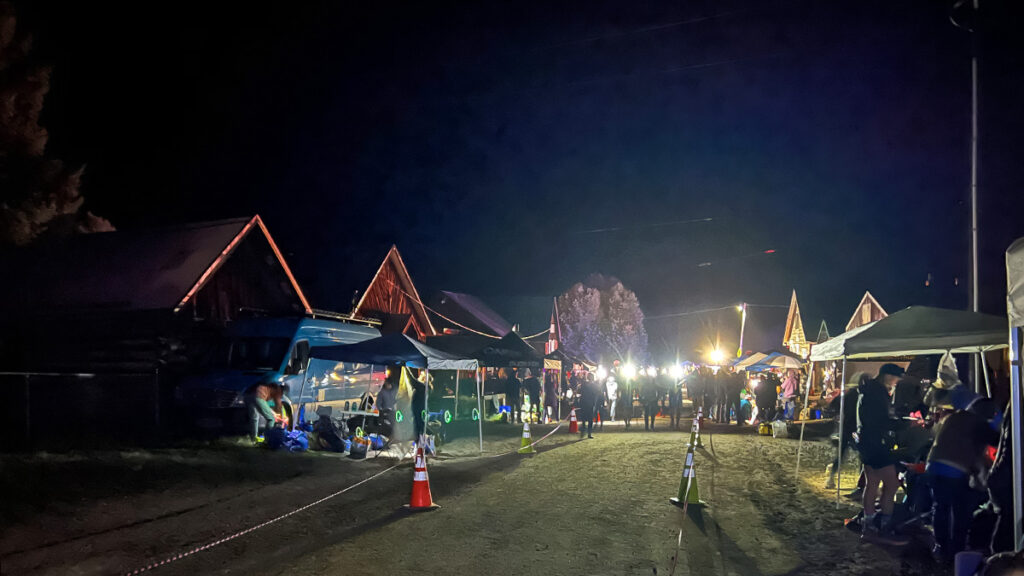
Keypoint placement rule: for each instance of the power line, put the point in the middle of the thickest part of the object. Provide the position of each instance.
(706, 310)
(672, 70)
(642, 226)
(645, 29)
(690, 313)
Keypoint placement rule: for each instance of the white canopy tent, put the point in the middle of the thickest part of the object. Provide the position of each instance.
(749, 361)
(913, 331)
(1015, 312)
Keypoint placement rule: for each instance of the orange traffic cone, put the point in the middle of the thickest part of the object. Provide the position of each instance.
(574, 426)
(420, 499)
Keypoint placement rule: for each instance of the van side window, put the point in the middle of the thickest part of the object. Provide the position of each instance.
(299, 359)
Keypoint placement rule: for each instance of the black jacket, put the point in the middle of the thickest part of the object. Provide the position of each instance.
(874, 414)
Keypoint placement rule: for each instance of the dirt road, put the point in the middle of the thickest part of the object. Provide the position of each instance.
(577, 507)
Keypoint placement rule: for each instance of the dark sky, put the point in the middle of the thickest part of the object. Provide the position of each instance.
(485, 139)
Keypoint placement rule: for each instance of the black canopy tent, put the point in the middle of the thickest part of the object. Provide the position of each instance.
(913, 331)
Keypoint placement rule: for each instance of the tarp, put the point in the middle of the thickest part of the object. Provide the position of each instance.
(916, 331)
(750, 360)
(1015, 283)
(394, 349)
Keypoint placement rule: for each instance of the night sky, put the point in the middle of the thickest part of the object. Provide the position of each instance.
(489, 142)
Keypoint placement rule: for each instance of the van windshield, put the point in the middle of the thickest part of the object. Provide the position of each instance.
(254, 353)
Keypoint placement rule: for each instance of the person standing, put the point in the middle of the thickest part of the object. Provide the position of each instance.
(789, 390)
(694, 392)
(875, 432)
(512, 397)
(532, 386)
(735, 390)
(590, 397)
(675, 402)
(707, 385)
(722, 396)
(387, 402)
(611, 388)
(959, 451)
(551, 394)
(766, 397)
(419, 404)
(849, 418)
(624, 405)
(649, 399)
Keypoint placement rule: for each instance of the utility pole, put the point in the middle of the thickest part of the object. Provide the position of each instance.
(974, 192)
(971, 26)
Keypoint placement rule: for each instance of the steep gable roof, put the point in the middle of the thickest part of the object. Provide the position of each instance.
(794, 323)
(875, 312)
(132, 270)
(822, 333)
(391, 292)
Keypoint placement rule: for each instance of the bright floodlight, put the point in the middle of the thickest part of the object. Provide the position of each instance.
(716, 357)
(676, 370)
(739, 308)
(629, 370)
(602, 372)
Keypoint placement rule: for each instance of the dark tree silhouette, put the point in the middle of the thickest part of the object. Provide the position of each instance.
(39, 195)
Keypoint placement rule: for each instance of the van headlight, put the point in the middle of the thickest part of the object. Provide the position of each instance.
(238, 401)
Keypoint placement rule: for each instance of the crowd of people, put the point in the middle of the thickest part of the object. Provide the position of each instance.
(596, 399)
(945, 446)
(724, 395)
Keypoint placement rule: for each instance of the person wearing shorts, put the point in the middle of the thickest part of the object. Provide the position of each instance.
(875, 425)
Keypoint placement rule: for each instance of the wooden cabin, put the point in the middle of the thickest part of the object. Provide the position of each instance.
(869, 310)
(794, 338)
(392, 299)
(133, 301)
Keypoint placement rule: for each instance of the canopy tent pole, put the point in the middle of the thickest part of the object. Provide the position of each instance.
(842, 412)
(480, 409)
(426, 402)
(803, 423)
(456, 409)
(984, 369)
(1015, 427)
(365, 404)
(302, 390)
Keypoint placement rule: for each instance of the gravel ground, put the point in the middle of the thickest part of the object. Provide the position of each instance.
(577, 507)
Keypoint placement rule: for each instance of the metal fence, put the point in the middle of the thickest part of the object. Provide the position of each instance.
(55, 411)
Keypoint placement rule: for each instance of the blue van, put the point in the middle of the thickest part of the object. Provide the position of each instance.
(256, 350)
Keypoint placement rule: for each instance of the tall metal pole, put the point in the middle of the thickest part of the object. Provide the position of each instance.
(1015, 427)
(970, 23)
(480, 408)
(743, 327)
(974, 188)
(842, 411)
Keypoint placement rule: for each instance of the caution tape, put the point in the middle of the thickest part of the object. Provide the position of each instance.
(531, 444)
(240, 533)
(215, 543)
